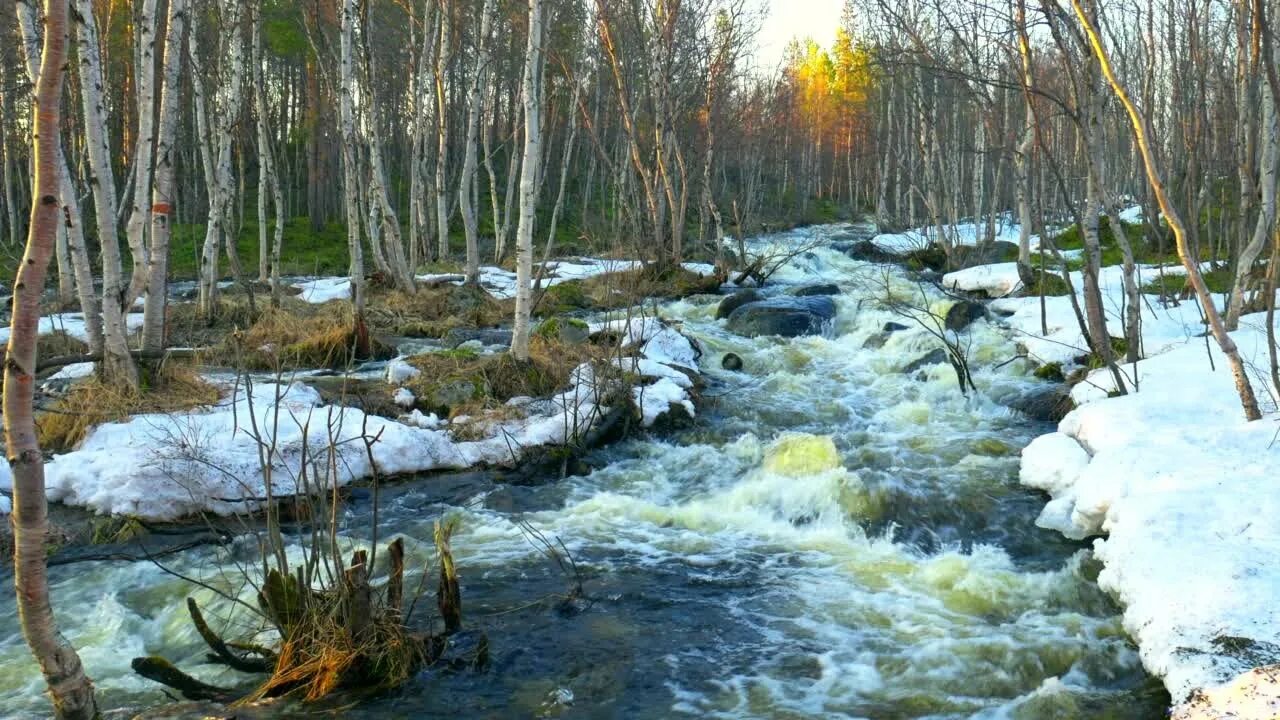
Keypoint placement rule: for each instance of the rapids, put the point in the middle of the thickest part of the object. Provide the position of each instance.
(832, 538)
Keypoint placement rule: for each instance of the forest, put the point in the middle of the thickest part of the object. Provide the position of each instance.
(929, 370)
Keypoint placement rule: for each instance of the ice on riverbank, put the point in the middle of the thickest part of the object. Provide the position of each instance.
(167, 466)
(1175, 478)
(499, 283)
(1171, 481)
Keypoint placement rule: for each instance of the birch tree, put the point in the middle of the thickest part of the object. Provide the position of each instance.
(531, 95)
(467, 181)
(117, 362)
(69, 687)
(164, 189)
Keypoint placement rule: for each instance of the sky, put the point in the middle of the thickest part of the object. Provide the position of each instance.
(787, 19)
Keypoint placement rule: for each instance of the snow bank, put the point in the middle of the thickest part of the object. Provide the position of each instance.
(166, 466)
(72, 324)
(970, 233)
(322, 290)
(1163, 327)
(498, 282)
(6, 506)
(1184, 489)
(995, 280)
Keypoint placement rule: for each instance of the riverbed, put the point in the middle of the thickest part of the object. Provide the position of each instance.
(832, 537)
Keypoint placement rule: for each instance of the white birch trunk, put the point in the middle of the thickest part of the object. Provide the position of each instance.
(350, 156)
(164, 189)
(467, 183)
(117, 363)
(70, 251)
(442, 131)
(532, 96)
(139, 221)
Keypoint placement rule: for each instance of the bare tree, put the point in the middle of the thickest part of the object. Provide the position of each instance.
(532, 99)
(69, 687)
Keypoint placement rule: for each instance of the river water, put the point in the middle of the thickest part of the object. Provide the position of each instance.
(832, 538)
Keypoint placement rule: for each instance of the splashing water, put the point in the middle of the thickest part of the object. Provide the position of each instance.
(833, 538)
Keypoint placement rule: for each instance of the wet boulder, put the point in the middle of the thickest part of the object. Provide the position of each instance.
(737, 300)
(963, 314)
(783, 316)
(815, 290)
(448, 395)
(933, 357)
(731, 361)
(485, 336)
(868, 251)
(877, 341)
(998, 251)
(1045, 404)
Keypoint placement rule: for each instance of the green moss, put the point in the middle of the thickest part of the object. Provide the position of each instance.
(1050, 371)
(565, 297)
(930, 258)
(1218, 281)
(1047, 283)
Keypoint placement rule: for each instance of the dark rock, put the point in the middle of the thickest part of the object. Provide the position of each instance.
(783, 316)
(447, 395)
(995, 252)
(737, 300)
(963, 313)
(731, 361)
(892, 327)
(933, 357)
(812, 290)
(493, 336)
(875, 342)
(930, 258)
(868, 251)
(1048, 404)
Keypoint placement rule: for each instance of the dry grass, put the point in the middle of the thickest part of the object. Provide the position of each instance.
(434, 311)
(58, 343)
(498, 378)
(624, 289)
(321, 337)
(65, 424)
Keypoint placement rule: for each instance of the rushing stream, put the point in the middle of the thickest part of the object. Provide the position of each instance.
(832, 538)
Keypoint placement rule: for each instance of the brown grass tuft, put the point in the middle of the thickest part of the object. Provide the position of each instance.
(65, 424)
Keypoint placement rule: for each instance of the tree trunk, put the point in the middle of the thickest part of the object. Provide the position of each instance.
(117, 363)
(350, 159)
(467, 183)
(143, 149)
(532, 95)
(1248, 400)
(75, 272)
(164, 190)
(69, 687)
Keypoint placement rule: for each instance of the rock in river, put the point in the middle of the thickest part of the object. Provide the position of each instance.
(784, 316)
(819, 289)
(963, 313)
(737, 300)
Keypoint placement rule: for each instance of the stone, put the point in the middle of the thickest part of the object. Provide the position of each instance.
(486, 336)
(737, 300)
(933, 357)
(783, 316)
(731, 361)
(447, 395)
(819, 289)
(963, 313)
